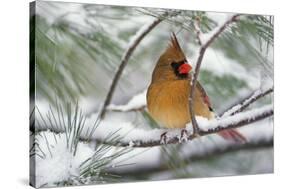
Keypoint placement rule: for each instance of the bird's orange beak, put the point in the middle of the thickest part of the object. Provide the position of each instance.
(185, 68)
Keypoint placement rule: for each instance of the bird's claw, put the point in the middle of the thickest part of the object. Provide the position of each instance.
(184, 135)
(163, 138)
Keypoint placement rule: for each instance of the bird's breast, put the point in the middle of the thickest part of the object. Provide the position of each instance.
(167, 103)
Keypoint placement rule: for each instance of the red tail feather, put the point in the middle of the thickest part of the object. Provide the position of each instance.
(232, 134)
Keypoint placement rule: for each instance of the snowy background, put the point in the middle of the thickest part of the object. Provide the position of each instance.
(78, 49)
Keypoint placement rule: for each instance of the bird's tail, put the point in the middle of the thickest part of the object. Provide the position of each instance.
(230, 134)
(234, 135)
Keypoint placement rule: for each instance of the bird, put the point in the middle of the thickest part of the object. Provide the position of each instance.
(169, 90)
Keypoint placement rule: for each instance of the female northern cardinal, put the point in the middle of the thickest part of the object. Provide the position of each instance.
(168, 93)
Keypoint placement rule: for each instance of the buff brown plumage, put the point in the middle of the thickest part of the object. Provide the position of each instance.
(169, 90)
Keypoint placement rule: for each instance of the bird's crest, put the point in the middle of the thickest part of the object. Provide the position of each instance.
(174, 47)
(174, 42)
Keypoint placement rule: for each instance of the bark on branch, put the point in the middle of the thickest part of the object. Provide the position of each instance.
(197, 29)
(197, 69)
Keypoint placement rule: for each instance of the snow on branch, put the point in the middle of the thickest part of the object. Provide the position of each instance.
(234, 121)
(214, 34)
(129, 135)
(137, 103)
(150, 138)
(134, 42)
(244, 103)
(197, 29)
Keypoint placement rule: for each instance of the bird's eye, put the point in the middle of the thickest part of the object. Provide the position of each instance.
(174, 65)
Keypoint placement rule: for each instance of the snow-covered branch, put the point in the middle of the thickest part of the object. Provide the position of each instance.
(203, 48)
(244, 103)
(129, 135)
(205, 127)
(136, 103)
(197, 29)
(134, 42)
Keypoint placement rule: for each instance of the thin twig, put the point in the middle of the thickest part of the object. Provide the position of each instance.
(196, 24)
(244, 103)
(137, 39)
(197, 69)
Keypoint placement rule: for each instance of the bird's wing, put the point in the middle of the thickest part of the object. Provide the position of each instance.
(204, 96)
(230, 134)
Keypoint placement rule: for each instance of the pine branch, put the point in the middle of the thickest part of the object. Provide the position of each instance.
(197, 29)
(135, 41)
(197, 69)
(150, 138)
(214, 126)
(244, 103)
